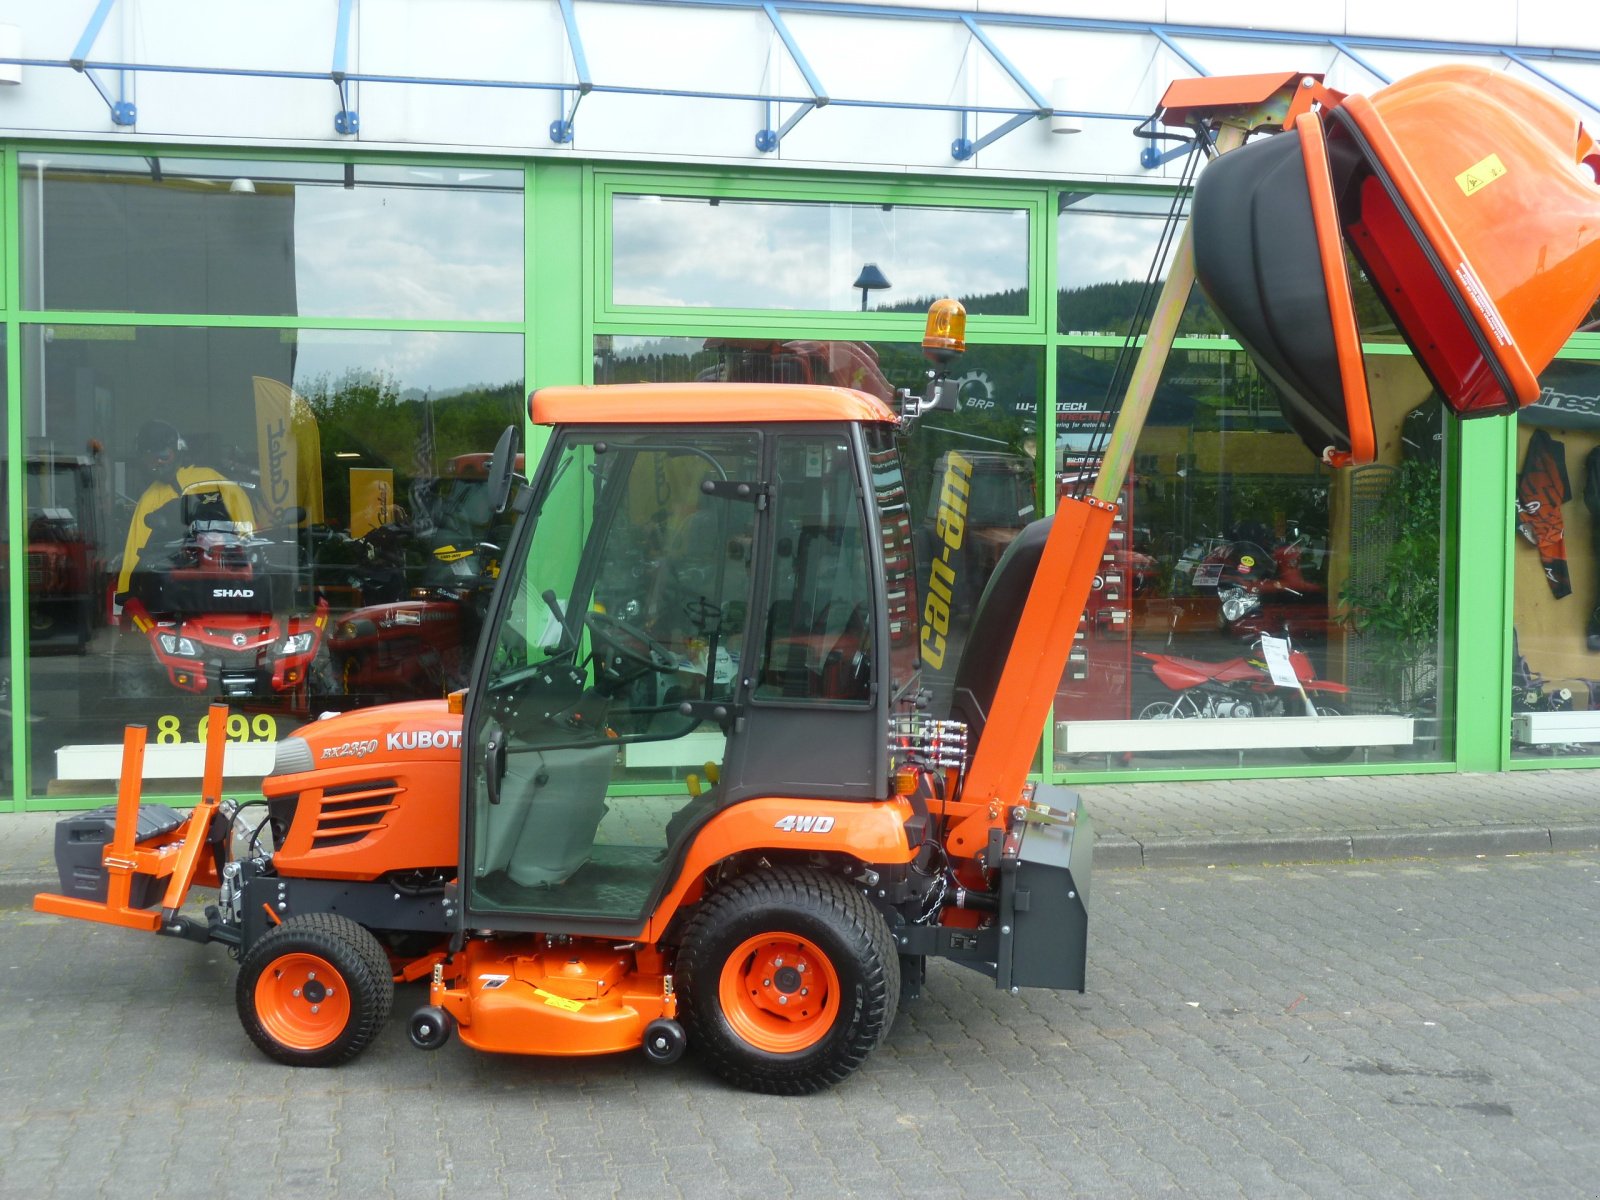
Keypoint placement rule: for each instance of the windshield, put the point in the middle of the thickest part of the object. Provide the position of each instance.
(633, 597)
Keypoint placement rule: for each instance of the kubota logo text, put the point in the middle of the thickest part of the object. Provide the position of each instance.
(424, 739)
(951, 525)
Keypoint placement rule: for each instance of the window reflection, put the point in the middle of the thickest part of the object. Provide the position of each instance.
(1235, 543)
(287, 521)
(1555, 695)
(711, 252)
(987, 451)
(156, 234)
(1106, 246)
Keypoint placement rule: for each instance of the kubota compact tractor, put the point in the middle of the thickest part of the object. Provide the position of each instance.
(717, 579)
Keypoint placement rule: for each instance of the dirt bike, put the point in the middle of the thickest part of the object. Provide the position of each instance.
(1243, 687)
(1262, 591)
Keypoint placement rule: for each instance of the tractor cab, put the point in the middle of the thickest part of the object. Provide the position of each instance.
(693, 616)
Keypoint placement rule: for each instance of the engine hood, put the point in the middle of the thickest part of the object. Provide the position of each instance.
(419, 730)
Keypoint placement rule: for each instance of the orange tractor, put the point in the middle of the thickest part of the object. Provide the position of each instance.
(716, 582)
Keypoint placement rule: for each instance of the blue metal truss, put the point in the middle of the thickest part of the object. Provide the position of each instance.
(768, 139)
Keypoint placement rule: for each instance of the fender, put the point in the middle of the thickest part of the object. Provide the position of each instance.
(871, 831)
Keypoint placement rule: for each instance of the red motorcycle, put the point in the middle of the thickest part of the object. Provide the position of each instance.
(1243, 687)
(1267, 592)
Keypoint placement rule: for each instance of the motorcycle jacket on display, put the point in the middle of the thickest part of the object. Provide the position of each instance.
(1542, 489)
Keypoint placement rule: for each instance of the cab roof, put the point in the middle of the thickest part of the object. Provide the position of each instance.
(702, 404)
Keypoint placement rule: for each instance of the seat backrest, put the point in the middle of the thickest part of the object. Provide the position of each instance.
(994, 625)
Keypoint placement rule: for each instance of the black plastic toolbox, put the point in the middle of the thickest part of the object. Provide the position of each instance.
(81, 840)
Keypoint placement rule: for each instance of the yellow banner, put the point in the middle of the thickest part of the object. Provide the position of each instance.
(371, 499)
(290, 447)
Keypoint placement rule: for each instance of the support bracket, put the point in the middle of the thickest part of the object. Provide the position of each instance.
(561, 129)
(346, 121)
(964, 147)
(123, 111)
(769, 139)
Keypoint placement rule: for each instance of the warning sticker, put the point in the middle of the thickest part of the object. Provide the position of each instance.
(561, 1002)
(1480, 175)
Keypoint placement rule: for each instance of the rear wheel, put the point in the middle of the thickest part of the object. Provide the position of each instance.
(789, 980)
(314, 991)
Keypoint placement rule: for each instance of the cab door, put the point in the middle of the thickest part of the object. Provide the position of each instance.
(593, 738)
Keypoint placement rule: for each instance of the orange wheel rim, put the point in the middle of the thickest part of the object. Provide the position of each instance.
(302, 1001)
(779, 992)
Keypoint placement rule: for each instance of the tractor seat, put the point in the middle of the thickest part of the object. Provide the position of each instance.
(994, 624)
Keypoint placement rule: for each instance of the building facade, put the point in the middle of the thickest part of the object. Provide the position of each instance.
(275, 277)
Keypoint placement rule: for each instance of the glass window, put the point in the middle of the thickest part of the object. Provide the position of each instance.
(1105, 247)
(162, 235)
(990, 444)
(1234, 548)
(899, 562)
(820, 602)
(715, 252)
(1555, 692)
(7, 709)
(288, 521)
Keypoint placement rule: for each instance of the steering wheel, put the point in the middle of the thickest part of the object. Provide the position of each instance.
(633, 646)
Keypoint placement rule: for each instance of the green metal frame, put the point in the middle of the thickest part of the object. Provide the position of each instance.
(566, 305)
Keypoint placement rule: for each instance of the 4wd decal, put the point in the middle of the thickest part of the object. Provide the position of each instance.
(794, 824)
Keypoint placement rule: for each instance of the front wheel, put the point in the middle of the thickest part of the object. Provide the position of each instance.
(789, 979)
(1327, 754)
(314, 991)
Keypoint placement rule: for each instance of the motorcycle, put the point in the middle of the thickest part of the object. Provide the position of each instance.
(1243, 687)
(222, 607)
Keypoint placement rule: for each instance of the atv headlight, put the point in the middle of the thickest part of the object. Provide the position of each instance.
(299, 643)
(178, 647)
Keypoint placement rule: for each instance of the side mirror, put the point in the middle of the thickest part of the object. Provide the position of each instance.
(502, 470)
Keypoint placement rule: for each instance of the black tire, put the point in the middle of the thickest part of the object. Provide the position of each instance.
(830, 921)
(1327, 754)
(293, 1010)
(136, 676)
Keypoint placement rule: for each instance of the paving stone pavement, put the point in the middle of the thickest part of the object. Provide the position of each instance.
(1388, 1029)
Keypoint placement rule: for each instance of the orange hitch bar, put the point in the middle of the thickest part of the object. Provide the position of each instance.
(175, 857)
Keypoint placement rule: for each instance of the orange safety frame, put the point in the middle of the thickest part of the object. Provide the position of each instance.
(175, 857)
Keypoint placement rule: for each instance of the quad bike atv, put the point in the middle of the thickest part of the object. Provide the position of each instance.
(221, 607)
(609, 842)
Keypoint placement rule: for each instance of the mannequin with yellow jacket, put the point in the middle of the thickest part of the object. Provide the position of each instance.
(160, 449)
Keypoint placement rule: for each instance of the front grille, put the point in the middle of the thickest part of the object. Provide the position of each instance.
(352, 811)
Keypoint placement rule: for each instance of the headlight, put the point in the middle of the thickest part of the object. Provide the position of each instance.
(291, 756)
(1238, 602)
(179, 647)
(299, 643)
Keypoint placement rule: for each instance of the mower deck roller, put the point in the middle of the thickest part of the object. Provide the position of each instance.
(1467, 196)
